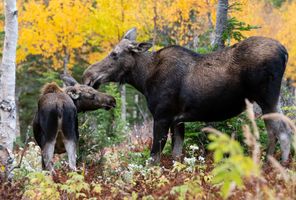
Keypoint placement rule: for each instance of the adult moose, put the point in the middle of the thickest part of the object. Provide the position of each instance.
(55, 124)
(181, 85)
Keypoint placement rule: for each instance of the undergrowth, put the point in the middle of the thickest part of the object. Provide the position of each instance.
(228, 169)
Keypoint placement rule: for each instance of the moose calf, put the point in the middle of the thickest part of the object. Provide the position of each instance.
(55, 124)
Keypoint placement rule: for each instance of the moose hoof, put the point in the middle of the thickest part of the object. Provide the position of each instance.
(52, 172)
(74, 169)
(286, 163)
(177, 158)
(154, 160)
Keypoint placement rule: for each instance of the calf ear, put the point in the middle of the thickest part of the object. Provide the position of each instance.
(73, 93)
(140, 47)
(131, 34)
(68, 80)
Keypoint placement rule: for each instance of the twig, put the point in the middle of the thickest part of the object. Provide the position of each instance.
(23, 153)
(278, 116)
(211, 130)
(277, 166)
(251, 116)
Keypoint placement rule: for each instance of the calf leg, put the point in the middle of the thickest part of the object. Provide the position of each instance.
(70, 146)
(47, 155)
(70, 133)
(177, 140)
(160, 133)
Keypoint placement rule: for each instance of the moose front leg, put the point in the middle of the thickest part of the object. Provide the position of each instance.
(178, 131)
(160, 134)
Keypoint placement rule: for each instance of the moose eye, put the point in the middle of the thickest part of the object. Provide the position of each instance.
(113, 55)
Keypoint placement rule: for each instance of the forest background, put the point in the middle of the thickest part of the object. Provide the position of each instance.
(69, 35)
(61, 36)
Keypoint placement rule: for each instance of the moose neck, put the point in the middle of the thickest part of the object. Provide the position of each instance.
(141, 71)
(77, 104)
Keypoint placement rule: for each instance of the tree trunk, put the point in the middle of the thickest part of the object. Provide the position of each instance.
(66, 60)
(221, 23)
(154, 25)
(135, 113)
(210, 23)
(122, 87)
(7, 84)
(123, 102)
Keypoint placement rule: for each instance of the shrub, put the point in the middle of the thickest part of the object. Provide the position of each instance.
(101, 128)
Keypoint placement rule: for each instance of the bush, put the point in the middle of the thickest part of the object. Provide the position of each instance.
(101, 128)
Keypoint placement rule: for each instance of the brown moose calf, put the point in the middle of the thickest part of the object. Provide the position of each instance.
(55, 124)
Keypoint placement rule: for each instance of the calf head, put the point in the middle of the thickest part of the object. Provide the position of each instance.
(118, 63)
(85, 97)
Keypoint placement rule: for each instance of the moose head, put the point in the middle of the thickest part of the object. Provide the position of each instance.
(119, 62)
(85, 97)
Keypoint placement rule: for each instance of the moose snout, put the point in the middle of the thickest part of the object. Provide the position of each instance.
(112, 102)
(109, 102)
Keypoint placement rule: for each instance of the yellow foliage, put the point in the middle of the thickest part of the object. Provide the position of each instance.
(185, 19)
(63, 26)
(274, 23)
(52, 30)
(109, 20)
(286, 34)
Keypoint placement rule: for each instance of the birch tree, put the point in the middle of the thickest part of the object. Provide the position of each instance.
(7, 83)
(221, 23)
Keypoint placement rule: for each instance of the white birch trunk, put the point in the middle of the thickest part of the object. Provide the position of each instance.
(123, 102)
(7, 79)
(221, 23)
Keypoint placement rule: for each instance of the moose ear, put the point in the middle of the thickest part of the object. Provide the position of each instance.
(68, 80)
(131, 34)
(73, 93)
(140, 47)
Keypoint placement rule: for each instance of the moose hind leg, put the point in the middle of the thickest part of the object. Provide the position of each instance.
(277, 130)
(70, 133)
(284, 137)
(267, 96)
(47, 155)
(70, 146)
(177, 140)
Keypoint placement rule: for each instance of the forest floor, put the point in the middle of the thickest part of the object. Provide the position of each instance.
(122, 174)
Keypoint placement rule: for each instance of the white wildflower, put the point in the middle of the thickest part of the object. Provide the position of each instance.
(135, 167)
(200, 158)
(190, 161)
(149, 161)
(193, 147)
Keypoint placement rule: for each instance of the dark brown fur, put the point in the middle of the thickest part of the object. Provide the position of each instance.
(55, 125)
(51, 88)
(181, 85)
